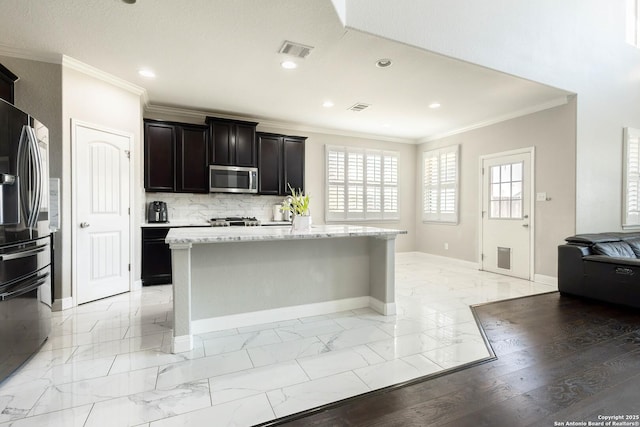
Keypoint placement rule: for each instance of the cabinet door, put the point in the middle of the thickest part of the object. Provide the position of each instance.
(293, 164)
(269, 164)
(245, 146)
(159, 161)
(221, 144)
(156, 257)
(192, 166)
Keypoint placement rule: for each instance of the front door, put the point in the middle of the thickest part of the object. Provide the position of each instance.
(101, 223)
(506, 234)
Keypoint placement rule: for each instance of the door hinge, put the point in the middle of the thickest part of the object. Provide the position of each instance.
(129, 267)
(128, 211)
(481, 257)
(482, 171)
(128, 153)
(483, 212)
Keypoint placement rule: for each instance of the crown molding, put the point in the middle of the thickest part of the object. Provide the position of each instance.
(67, 61)
(89, 70)
(514, 114)
(53, 58)
(272, 124)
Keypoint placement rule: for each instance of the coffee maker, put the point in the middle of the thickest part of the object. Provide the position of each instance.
(157, 212)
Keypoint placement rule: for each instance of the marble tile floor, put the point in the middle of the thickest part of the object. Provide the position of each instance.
(107, 363)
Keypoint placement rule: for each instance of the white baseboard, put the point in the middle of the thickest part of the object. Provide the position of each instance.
(388, 309)
(62, 304)
(286, 313)
(137, 285)
(545, 280)
(182, 343)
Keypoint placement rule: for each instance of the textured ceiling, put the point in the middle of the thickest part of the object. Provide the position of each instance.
(221, 56)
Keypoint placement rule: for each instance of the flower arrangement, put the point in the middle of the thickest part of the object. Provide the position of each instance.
(297, 203)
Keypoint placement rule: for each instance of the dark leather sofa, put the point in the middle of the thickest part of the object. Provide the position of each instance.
(604, 266)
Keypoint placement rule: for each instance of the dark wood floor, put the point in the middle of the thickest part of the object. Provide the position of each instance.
(559, 359)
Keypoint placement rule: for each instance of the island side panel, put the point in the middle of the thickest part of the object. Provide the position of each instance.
(383, 264)
(238, 277)
(181, 266)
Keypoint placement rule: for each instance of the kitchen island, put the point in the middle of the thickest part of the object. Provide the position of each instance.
(231, 277)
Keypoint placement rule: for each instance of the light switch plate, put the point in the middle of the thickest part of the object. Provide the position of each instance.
(541, 197)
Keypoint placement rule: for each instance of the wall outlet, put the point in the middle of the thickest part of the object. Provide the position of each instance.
(446, 246)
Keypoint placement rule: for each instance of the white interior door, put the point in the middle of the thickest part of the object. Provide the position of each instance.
(507, 223)
(101, 223)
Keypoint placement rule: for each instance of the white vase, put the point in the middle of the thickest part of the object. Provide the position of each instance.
(301, 223)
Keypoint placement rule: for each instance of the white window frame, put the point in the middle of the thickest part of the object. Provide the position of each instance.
(343, 185)
(631, 179)
(437, 186)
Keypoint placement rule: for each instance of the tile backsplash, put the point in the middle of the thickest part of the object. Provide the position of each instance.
(201, 207)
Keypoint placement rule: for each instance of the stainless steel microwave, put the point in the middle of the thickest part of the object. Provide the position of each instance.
(232, 179)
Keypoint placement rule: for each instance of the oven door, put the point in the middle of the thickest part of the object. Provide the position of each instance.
(25, 301)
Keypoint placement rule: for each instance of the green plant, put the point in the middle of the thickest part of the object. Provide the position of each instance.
(297, 203)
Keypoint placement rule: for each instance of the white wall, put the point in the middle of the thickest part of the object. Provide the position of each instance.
(577, 45)
(95, 101)
(552, 133)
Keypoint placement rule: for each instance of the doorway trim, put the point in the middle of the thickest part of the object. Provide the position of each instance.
(75, 124)
(532, 204)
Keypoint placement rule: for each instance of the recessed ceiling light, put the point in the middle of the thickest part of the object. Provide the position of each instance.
(383, 63)
(434, 105)
(327, 104)
(145, 72)
(289, 65)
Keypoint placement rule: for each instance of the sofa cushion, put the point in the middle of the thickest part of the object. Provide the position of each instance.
(635, 245)
(614, 249)
(590, 239)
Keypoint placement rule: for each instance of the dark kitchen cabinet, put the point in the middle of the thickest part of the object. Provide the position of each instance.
(175, 157)
(232, 142)
(156, 256)
(192, 168)
(7, 82)
(280, 163)
(159, 156)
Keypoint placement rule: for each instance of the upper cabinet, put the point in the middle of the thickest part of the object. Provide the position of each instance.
(175, 157)
(232, 142)
(7, 81)
(192, 168)
(159, 156)
(280, 163)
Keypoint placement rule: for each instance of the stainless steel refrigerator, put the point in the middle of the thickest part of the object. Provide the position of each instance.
(25, 239)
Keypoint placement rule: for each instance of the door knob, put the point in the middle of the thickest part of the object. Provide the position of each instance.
(84, 224)
(525, 225)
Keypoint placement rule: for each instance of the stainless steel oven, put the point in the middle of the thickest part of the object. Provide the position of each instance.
(233, 179)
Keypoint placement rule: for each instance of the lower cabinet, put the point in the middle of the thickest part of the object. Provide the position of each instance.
(156, 256)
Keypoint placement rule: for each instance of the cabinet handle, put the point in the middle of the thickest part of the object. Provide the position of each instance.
(84, 224)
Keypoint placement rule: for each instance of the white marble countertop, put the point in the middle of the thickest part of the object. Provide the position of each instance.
(201, 223)
(247, 234)
(177, 223)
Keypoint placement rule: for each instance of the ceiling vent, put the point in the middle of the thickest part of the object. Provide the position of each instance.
(359, 107)
(296, 50)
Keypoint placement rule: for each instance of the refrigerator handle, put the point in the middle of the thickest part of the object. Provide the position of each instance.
(23, 163)
(37, 193)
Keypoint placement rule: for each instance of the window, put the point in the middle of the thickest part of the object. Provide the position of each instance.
(440, 185)
(631, 211)
(361, 184)
(506, 191)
